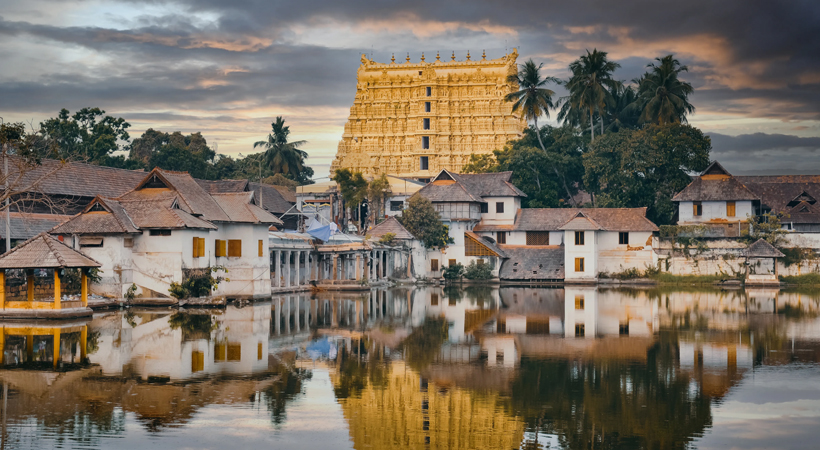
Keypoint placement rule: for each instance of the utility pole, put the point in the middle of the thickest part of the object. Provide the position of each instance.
(6, 193)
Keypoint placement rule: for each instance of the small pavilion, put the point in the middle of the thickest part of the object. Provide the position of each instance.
(761, 260)
(47, 253)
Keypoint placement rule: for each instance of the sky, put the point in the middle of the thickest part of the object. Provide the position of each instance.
(227, 68)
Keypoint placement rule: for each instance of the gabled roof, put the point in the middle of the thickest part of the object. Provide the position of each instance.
(240, 207)
(762, 249)
(223, 186)
(391, 225)
(580, 222)
(715, 168)
(715, 189)
(194, 199)
(163, 214)
(44, 252)
(452, 187)
(556, 219)
(491, 246)
(101, 216)
(277, 199)
(74, 179)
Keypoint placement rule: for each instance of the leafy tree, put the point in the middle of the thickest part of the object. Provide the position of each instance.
(88, 134)
(590, 87)
(532, 98)
(768, 227)
(146, 145)
(634, 168)
(281, 180)
(478, 271)
(352, 186)
(185, 154)
(377, 192)
(453, 272)
(534, 171)
(283, 156)
(424, 223)
(662, 97)
(623, 111)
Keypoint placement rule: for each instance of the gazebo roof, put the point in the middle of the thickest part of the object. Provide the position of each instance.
(762, 249)
(44, 252)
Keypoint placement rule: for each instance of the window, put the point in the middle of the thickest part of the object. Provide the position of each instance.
(579, 302)
(397, 205)
(434, 265)
(220, 352)
(623, 329)
(234, 248)
(479, 262)
(91, 242)
(423, 163)
(501, 237)
(197, 361)
(128, 242)
(220, 248)
(261, 248)
(697, 209)
(433, 299)
(198, 247)
(234, 352)
(499, 207)
(259, 351)
(425, 123)
(730, 209)
(451, 262)
(159, 233)
(425, 142)
(579, 264)
(580, 330)
(538, 238)
(427, 107)
(429, 91)
(485, 208)
(623, 238)
(579, 238)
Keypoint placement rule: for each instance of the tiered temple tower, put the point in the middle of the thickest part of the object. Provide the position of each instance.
(414, 119)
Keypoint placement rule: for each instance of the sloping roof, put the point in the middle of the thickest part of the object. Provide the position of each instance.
(27, 225)
(490, 245)
(276, 199)
(112, 220)
(452, 192)
(452, 187)
(762, 249)
(777, 192)
(223, 186)
(239, 208)
(44, 252)
(542, 262)
(194, 199)
(162, 214)
(555, 219)
(716, 189)
(581, 222)
(75, 179)
(391, 225)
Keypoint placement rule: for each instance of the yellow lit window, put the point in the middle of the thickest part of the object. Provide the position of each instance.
(697, 209)
(220, 352)
(579, 264)
(197, 361)
(261, 248)
(234, 352)
(579, 302)
(221, 248)
(579, 238)
(234, 248)
(198, 247)
(259, 351)
(730, 209)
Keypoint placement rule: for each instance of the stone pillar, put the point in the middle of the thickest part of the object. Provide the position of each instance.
(278, 265)
(335, 266)
(298, 255)
(296, 311)
(373, 265)
(358, 266)
(287, 314)
(313, 267)
(278, 314)
(58, 295)
(287, 268)
(358, 312)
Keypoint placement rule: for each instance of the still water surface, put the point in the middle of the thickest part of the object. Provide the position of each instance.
(429, 368)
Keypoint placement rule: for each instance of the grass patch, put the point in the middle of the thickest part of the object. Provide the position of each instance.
(805, 279)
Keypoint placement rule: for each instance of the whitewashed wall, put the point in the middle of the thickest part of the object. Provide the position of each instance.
(714, 210)
(588, 251)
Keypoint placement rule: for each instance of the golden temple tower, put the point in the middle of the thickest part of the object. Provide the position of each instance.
(414, 119)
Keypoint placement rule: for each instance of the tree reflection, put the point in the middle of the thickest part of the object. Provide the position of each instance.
(359, 368)
(424, 343)
(612, 403)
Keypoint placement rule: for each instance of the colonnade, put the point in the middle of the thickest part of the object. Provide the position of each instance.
(295, 268)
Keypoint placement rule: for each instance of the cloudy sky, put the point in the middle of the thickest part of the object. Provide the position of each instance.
(226, 68)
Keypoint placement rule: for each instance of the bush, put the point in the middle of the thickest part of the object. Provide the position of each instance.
(478, 271)
(196, 287)
(453, 272)
(387, 238)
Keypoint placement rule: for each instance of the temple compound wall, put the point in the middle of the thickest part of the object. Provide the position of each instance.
(414, 119)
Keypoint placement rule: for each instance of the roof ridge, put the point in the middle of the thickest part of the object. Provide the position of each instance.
(53, 250)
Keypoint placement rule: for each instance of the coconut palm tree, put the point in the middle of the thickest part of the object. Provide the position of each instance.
(532, 98)
(282, 156)
(662, 97)
(623, 112)
(590, 88)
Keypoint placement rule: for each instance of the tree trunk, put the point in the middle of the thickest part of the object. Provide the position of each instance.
(591, 127)
(560, 177)
(602, 123)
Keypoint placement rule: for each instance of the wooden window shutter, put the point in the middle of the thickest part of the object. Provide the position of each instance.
(434, 265)
(195, 247)
(261, 248)
(234, 247)
(730, 209)
(579, 264)
(221, 248)
(202, 247)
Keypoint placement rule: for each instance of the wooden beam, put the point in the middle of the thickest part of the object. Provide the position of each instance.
(30, 285)
(58, 295)
(2, 298)
(84, 286)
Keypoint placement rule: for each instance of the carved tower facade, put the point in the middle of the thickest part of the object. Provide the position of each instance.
(414, 119)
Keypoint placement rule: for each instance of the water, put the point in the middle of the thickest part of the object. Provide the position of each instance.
(426, 368)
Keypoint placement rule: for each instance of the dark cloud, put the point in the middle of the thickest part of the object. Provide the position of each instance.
(767, 154)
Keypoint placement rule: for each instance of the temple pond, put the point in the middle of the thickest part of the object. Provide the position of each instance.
(426, 368)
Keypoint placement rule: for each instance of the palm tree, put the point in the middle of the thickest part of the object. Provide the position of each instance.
(590, 89)
(282, 156)
(623, 112)
(662, 97)
(532, 98)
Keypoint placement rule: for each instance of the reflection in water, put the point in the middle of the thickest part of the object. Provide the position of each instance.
(479, 367)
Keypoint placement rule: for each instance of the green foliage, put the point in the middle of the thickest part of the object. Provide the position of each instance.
(352, 186)
(185, 154)
(485, 163)
(281, 155)
(377, 192)
(131, 293)
(32, 147)
(387, 238)
(662, 97)
(424, 223)
(197, 286)
(453, 272)
(281, 180)
(797, 255)
(532, 98)
(590, 90)
(805, 279)
(424, 343)
(647, 167)
(478, 271)
(87, 135)
(193, 326)
(766, 226)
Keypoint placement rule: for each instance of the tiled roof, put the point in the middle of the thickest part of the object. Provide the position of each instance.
(581, 222)
(27, 225)
(76, 179)
(453, 187)
(239, 208)
(541, 262)
(762, 249)
(193, 198)
(776, 192)
(555, 219)
(274, 198)
(390, 225)
(113, 220)
(223, 186)
(454, 192)
(44, 252)
(715, 189)
(162, 214)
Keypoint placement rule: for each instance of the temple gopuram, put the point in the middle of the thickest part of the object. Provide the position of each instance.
(414, 119)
